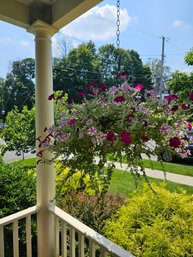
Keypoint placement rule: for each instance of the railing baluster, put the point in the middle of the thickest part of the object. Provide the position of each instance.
(56, 236)
(72, 242)
(91, 248)
(15, 239)
(2, 249)
(28, 236)
(80, 245)
(64, 239)
(103, 252)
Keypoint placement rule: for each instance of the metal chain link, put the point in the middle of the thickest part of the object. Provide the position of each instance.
(118, 24)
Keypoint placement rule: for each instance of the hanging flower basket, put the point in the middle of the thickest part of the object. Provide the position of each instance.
(118, 124)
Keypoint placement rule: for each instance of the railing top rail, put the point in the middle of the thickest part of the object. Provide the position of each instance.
(19, 215)
(90, 233)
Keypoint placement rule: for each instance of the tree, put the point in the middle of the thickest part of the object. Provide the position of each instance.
(181, 83)
(74, 72)
(189, 57)
(113, 60)
(18, 87)
(19, 132)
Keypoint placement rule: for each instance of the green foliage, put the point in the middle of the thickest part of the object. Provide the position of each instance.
(181, 83)
(17, 189)
(19, 132)
(154, 225)
(189, 57)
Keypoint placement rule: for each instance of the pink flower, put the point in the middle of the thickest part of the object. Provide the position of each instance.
(101, 86)
(130, 117)
(189, 125)
(145, 138)
(185, 106)
(139, 87)
(71, 122)
(51, 97)
(110, 136)
(91, 131)
(191, 96)
(95, 92)
(174, 142)
(126, 137)
(119, 99)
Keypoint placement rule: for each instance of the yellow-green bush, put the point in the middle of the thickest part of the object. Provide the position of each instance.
(152, 225)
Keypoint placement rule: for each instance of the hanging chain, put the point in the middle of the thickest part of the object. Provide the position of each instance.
(118, 24)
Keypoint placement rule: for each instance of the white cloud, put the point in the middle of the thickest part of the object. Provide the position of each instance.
(180, 24)
(5, 40)
(99, 23)
(25, 44)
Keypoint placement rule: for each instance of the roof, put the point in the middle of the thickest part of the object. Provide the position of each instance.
(57, 13)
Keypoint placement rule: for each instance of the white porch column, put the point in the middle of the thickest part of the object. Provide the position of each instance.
(44, 118)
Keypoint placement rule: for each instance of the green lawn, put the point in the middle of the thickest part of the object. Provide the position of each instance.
(124, 182)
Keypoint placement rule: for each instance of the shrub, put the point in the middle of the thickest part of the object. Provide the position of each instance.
(92, 210)
(152, 225)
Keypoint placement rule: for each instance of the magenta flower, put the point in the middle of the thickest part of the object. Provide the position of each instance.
(189, 125)
(82, 93)
(71, 122)
(59, 97)
(101, 86)
(40, 153)
(119, 99)
(110, 136)
(145, 138)
(174, 142)
(91, 131)
(126, 137)
(130, 117)
(51, 97)
(191, 96)
(174, 108)
(122, 75)
(171, 97)
(90, 85)
(139, 87)
(185, 106)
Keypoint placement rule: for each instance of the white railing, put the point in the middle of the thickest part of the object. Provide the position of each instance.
(73, 238)
(13, 220)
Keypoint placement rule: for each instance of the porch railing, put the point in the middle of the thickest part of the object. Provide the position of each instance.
(72, 237)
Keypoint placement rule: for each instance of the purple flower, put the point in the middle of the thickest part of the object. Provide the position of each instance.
(171, 97)
(40, 153)
(174, 108)
(189, 125)
(101, 86)
(145, 138)
(91, 131)
(185, 106)
(82, 93)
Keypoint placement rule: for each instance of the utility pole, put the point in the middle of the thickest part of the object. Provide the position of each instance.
(162, 68)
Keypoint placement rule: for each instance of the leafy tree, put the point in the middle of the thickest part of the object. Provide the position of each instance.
(152, 225)
(19, 132)
(18, 87)
(112, 61)
(74, 72)
(181, 83)
(189, 57)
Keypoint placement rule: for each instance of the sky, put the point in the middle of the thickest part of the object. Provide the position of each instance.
(142, 25)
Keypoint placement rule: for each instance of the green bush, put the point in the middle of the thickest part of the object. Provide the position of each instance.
(154, 225)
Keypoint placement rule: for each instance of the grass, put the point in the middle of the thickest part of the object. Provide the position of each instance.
(124, 182)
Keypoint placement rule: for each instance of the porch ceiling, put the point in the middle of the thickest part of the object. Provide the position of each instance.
(57, 13)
